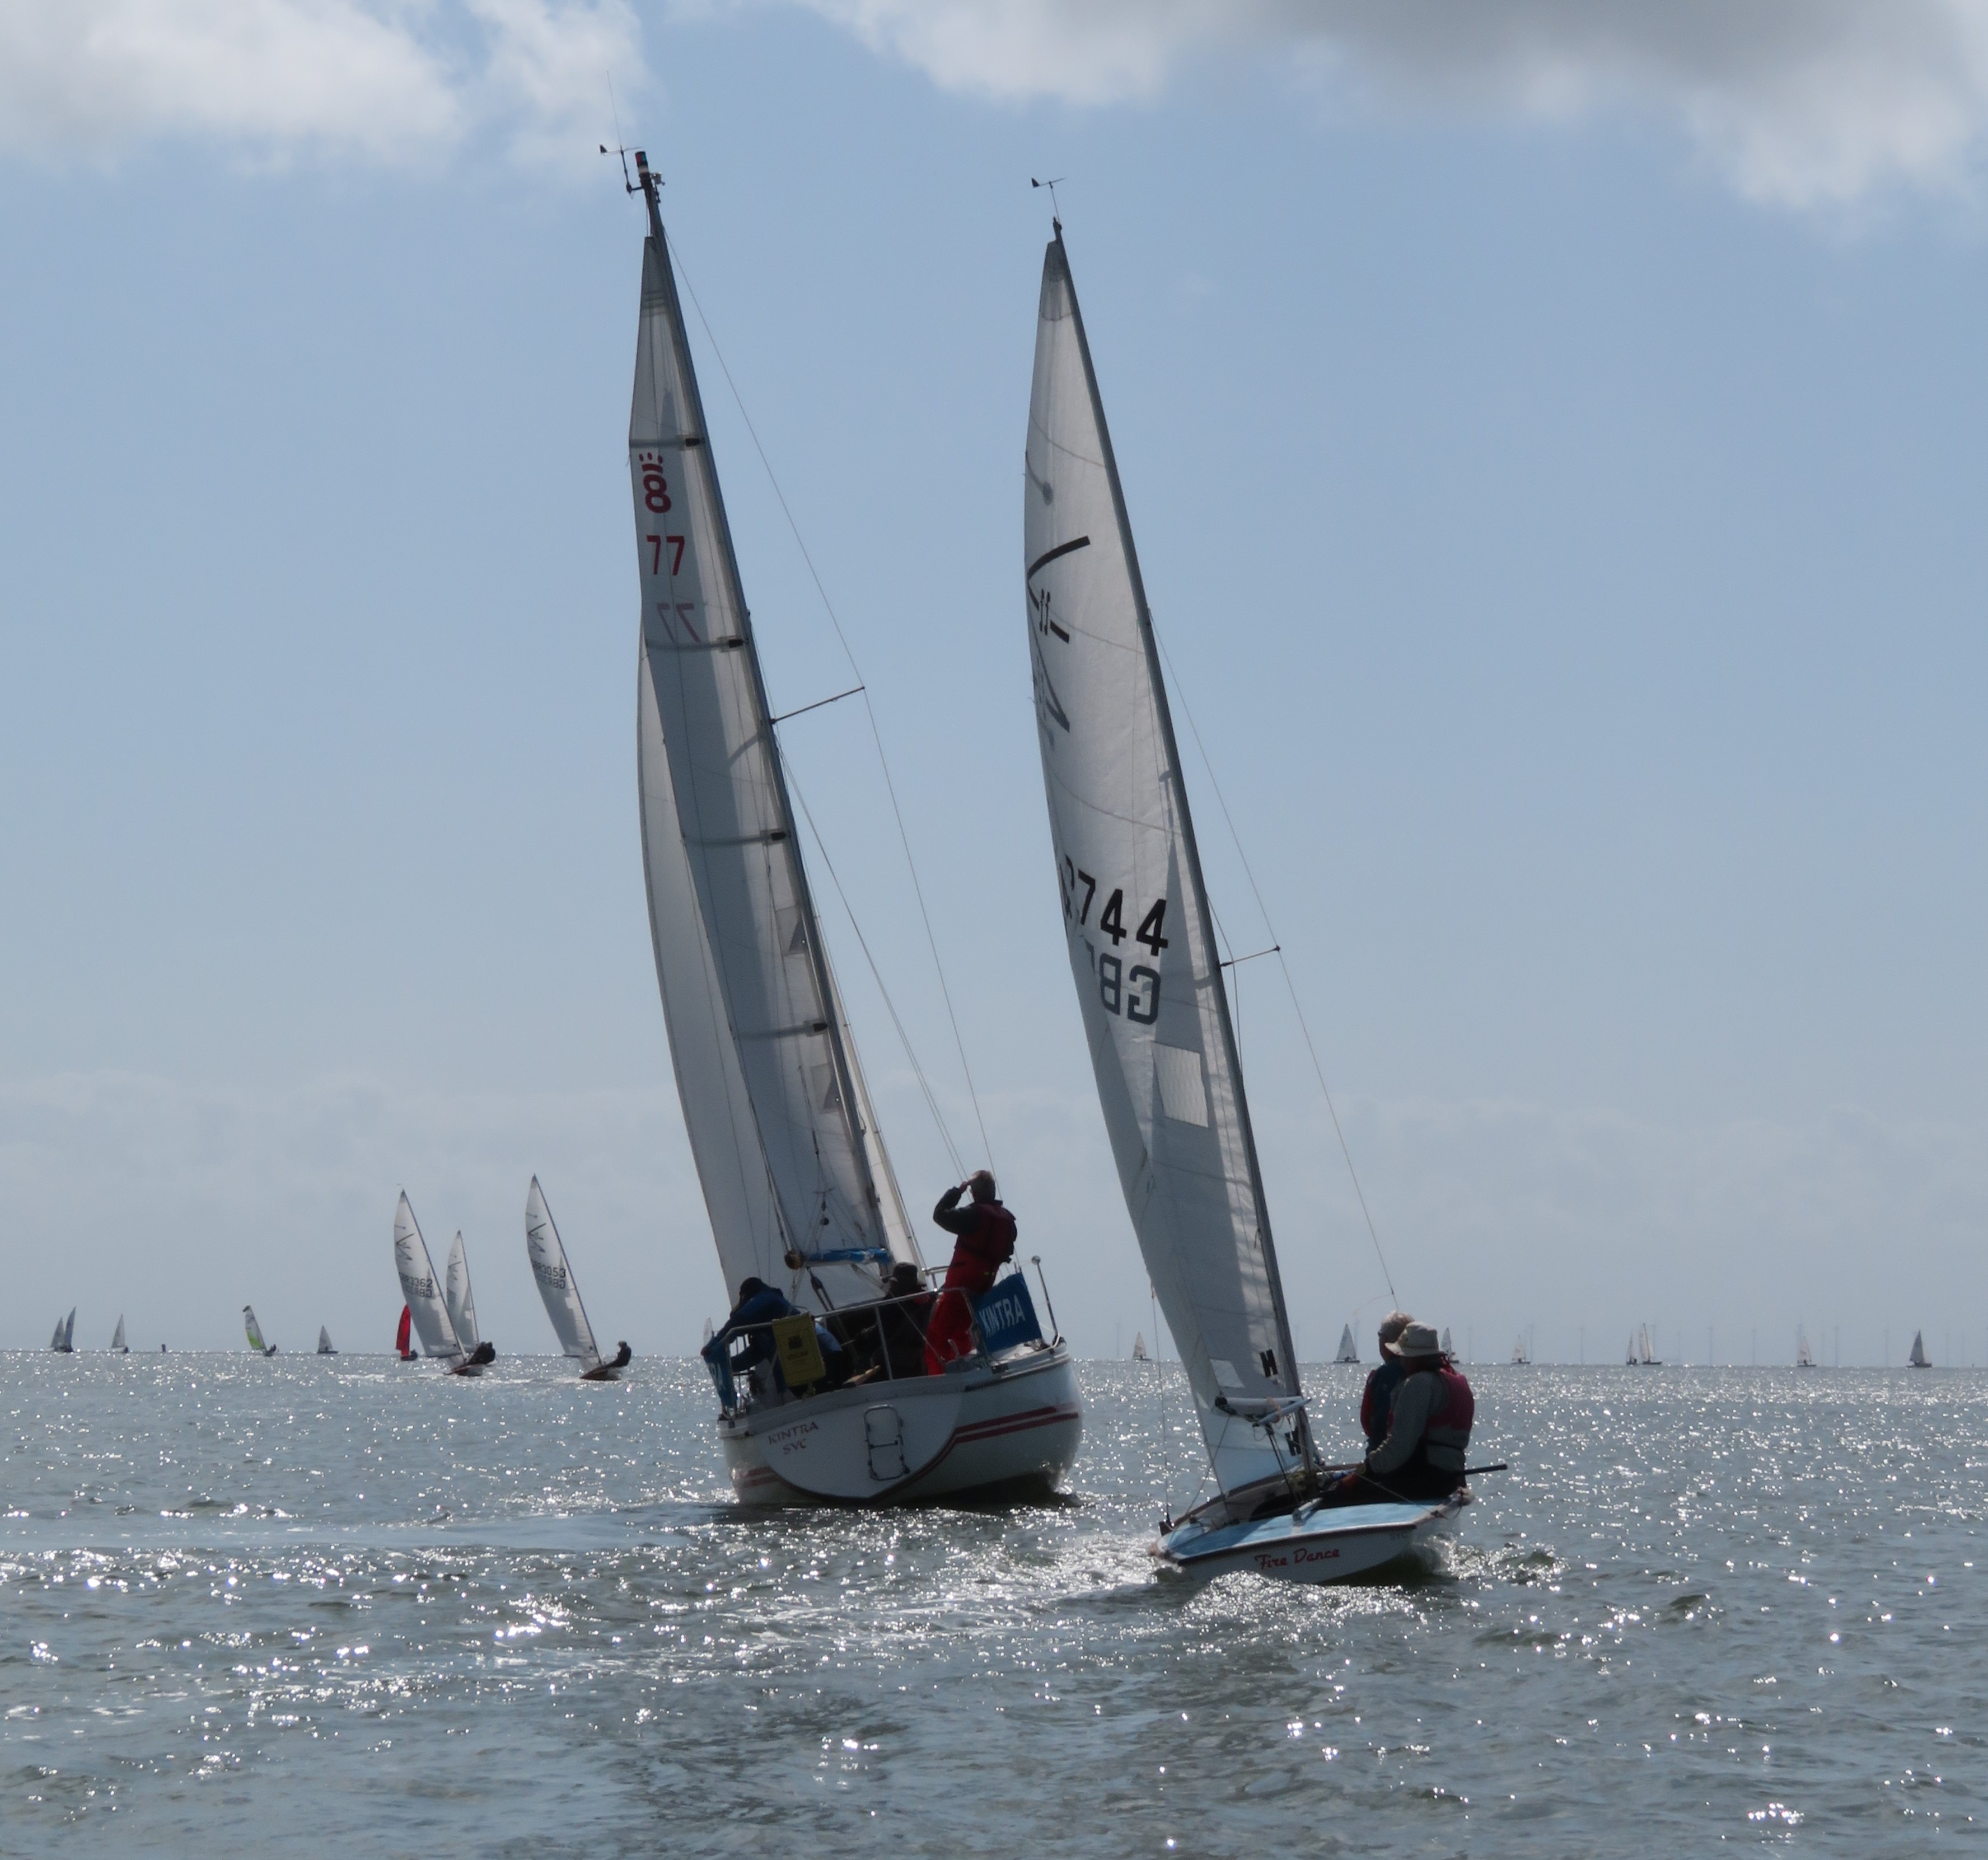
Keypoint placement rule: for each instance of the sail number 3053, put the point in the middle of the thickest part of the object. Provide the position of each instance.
(1133, 992)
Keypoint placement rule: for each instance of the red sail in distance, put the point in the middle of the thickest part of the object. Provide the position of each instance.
(400, 1335)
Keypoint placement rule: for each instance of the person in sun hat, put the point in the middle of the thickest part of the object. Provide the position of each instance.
(1422, 1458)
(1378, 1397)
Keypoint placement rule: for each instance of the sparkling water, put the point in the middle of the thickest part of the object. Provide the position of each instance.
(323, 1605)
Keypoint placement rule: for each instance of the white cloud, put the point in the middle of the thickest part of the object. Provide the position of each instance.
(387, 80)
(1801, 103)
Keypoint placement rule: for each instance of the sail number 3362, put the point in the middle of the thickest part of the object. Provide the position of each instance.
(1134, 992)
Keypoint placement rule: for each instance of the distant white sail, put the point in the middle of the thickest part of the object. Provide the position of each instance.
(1140, 932)
(1349, 1350)
(456, 1294)
(1520, 1353)
(324, 1345)
(557, 1285)
(1919, 1358)
(117, 1337)
(1803, 1359)
(1446, 1350)
(421, 1288)
(69, 1330)
(254, 1331)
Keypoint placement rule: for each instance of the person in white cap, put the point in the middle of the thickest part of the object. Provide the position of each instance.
(1422, 1458)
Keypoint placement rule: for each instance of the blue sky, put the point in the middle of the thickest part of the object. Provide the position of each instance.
(1555, 452)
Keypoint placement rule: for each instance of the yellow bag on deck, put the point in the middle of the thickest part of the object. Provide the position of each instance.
(797, 1352)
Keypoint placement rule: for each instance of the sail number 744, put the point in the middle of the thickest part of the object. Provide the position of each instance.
(1134, 993)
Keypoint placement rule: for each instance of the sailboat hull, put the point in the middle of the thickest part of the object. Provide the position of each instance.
(1331, 1546)
(1014, 1422)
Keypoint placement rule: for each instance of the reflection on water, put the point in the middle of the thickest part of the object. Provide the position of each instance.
(341, 1601)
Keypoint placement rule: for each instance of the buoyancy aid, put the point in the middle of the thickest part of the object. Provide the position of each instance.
(1446, 1437)
(983, 1249)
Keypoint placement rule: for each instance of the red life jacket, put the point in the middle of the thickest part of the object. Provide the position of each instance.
(983, 1249)
(1459, 1405)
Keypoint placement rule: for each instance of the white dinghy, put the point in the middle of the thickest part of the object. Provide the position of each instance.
(1143, 954)
(255, 1332)
(118, 1346)
(1804, 1357)
(1349, 1350)
(560, 1289)
(796, 1177)
(325, 1347)
(427, 1304)
(461, 1303)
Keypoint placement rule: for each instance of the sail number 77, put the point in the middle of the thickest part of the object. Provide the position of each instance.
(656, 558)
(1134, 993)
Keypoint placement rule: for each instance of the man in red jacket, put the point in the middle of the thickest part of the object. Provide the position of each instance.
(984, 1243)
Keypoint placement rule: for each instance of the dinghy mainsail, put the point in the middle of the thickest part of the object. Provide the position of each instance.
(64, 1339)
(1919, 1359)
(1349, 1350)
(401, 1333)
(1138, 1346)
(1804, 1358)
(422, 1289)
(794, 1171)
(560, 1289)
(456, 1294)
(1141, 934)
(119, 1346)
(324, 1343)
(255, 1332)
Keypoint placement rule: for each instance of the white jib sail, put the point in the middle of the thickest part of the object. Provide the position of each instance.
(117, 1335)
(557, 1285)
(457, 1295)
(1142, 947)
(421, 1288)
(769, 1084)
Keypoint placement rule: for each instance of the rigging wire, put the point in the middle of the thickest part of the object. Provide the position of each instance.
(870, 709)
(863, 943)
(1318, 1070)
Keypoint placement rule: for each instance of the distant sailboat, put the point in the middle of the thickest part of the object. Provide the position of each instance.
(118, 1346)
(462, 1301)
(427, 1302)
(1919, 1359)
(1805, 1359)
(1641, 1355)
(324, 1345)
(1138, 1346)
(1144, 957)
(1447, 1350)
(1520, 1353)
(401, 1335)
(1349, 1350)
(64, 1339)
(560, 1289)
(255, 1330)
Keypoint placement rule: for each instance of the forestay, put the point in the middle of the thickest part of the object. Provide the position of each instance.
(557, 1283)
(457, 1295)
(419, 1287)
(771, 1096)
(1141, 943)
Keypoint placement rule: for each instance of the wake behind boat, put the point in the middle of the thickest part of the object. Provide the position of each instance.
(1144, 956)
(795, 1173)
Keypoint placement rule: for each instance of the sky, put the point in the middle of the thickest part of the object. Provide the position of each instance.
(1554, 440)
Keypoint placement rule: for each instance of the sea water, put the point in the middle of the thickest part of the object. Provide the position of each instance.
(340, 1605)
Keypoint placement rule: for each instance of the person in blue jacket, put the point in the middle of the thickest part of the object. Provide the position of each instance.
(758, 1304)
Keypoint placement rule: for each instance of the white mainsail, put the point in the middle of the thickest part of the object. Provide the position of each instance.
(1349, 1350)
(557, 1285)
(1446, 1350)
(778, 1122)
(1138, 1346)
(421, 1287)
(117, 1337)
(457, 1295)
(67, 1331)
(254, 1331)
(1919, 1359)
(324, 1344)
(1142, 946)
